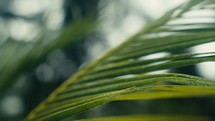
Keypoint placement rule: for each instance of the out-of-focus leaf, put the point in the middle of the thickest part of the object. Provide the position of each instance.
(150, 118)
(18, 57)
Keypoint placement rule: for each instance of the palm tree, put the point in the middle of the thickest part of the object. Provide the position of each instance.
(126, 73)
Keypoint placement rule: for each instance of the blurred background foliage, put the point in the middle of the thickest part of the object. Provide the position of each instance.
(43, 42)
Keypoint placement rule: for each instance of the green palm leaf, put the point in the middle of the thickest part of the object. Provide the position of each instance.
(124, 74)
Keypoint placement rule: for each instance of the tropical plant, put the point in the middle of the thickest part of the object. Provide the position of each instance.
(125, 72)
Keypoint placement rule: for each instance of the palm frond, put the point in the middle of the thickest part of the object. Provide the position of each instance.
(124, 73)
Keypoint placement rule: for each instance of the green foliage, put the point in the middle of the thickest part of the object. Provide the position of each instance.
(124, 74)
